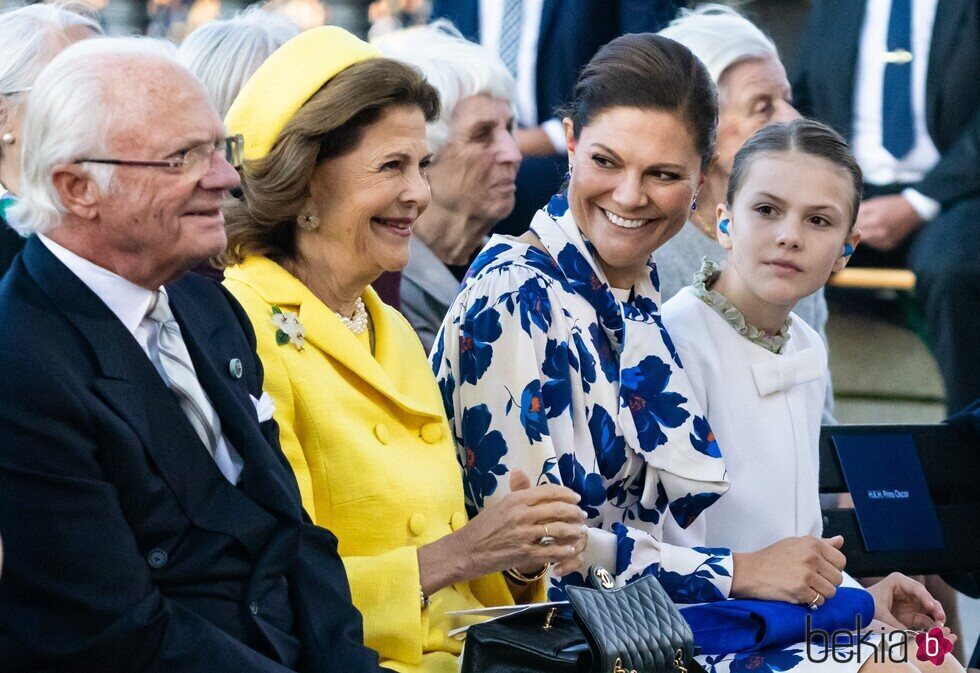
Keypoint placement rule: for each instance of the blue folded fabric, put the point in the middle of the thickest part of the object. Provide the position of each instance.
(747, 625)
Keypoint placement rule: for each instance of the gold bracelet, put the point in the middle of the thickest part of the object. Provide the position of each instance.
(520, 579)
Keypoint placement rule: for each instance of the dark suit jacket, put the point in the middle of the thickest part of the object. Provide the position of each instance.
(825, 80)
(10, 244)
(571, 33)
(125, 547)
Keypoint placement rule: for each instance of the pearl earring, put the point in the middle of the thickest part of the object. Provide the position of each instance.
(8, 138)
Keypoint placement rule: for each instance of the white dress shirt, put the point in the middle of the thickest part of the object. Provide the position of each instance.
(491, 23)
(877, 163)
(129, 302)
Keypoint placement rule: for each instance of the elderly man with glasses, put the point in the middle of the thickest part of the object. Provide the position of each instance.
(150, 520)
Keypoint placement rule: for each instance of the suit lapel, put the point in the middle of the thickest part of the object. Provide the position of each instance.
(132, 388)
(844, 33)
(549, 14)
(946, 28)
(263, 477)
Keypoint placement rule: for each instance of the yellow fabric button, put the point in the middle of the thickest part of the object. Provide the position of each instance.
(457, 521)
(416, 524)
(431, 433)
(381, 432)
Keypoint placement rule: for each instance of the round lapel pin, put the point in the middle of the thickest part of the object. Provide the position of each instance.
(235, 368)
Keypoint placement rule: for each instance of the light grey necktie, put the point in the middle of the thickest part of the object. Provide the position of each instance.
(510, 33)
(177, 364)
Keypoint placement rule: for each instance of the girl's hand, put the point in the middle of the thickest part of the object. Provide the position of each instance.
(794, 570)
(902, 602)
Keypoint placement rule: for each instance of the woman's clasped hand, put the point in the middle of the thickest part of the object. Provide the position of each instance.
(805, 570)
(529, 528)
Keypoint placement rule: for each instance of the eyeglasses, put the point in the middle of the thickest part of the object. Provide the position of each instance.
(11, 92)
(193, 163)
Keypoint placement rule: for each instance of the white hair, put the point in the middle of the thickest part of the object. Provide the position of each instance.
(456, 67)
(225, 53)
(720, 37)
(69, 116)
(31, 36)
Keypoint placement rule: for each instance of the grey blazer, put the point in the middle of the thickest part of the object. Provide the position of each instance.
(428, 289)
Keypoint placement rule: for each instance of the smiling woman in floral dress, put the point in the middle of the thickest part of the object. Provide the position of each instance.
(553, 360)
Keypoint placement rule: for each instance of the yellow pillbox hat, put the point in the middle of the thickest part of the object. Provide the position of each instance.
(287, 79)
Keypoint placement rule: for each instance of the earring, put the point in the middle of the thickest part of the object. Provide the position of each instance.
(723, 225)
(848, 250)
(8, 138)
(694, 205)
(309, 222)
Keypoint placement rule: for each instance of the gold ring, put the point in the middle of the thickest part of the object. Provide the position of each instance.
(546, 539)
(816, 599)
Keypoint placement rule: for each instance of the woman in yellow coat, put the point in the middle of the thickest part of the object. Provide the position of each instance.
(333, 181)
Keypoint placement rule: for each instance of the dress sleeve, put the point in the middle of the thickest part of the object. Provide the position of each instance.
(385, 588)
(502, 362)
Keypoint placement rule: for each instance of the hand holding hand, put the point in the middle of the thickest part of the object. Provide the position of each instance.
(795, 569)
(885, 221)
(902, 602)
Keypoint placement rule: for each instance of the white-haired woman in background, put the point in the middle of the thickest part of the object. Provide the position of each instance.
(475, 161)
(753, 92)
(31, 36)
(225, 53)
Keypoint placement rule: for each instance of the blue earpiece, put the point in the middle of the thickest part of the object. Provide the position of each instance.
(723, 225)
(848, 250)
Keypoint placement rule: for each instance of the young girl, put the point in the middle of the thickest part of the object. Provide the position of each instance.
(758, 371)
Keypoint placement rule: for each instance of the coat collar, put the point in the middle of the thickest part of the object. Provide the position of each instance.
(430, 273)
(389, 372)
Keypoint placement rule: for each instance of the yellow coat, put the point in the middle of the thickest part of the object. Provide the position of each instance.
(370, 445)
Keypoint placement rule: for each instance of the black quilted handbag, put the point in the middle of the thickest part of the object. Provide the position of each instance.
(632, 629)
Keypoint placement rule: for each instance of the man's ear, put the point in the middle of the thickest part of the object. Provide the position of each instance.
(77, 190)
(723, 230)
(850, 245)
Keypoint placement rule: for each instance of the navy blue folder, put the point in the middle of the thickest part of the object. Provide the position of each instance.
(891, 500)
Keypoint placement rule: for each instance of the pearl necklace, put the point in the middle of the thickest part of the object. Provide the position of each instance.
(358, 322)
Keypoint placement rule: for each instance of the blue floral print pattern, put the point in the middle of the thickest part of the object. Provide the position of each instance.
(532, 354)
(481, 452)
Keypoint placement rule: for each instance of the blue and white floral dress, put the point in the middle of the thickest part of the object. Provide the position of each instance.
(543, 369)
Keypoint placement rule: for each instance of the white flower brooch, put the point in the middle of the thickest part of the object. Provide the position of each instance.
(289, 330)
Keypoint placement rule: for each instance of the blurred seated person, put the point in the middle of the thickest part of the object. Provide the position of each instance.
(31, 36)
(753, 92)
(225, 53)
(902, 85)
(474, 164)
(334, 181)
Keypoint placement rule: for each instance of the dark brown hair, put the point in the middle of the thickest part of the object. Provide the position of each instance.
(329, 125)
(648, 71)
(802, 135)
